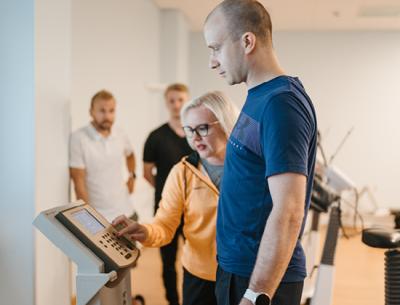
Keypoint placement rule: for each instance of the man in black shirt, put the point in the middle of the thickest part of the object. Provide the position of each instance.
(165, 147)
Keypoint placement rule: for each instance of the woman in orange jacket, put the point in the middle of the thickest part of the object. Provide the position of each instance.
(191, 191)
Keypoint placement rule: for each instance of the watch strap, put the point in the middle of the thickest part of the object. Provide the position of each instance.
(251, 295)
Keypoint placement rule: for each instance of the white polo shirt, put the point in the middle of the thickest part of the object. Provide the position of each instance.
(104, 159)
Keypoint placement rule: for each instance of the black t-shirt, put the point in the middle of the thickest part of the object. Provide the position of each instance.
(164, 148)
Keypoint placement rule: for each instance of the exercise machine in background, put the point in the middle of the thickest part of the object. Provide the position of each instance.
(327, 197)
(329, 183)
(318, 285)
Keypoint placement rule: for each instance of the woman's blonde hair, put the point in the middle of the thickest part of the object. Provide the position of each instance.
(219, 104)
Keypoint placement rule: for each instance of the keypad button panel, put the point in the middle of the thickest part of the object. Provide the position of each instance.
(119, 245)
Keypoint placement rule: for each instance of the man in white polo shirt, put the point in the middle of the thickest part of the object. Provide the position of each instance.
(101, 161)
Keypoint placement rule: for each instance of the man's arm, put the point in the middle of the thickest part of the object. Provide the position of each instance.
(281, 232)
(78, 176)
(131, 165)
(148, 172)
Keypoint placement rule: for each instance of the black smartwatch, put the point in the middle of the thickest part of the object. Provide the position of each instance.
(257, 298)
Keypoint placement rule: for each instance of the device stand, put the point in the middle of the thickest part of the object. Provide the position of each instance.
(325, 278)
(88, 285)
(91, 280)
(311, 247)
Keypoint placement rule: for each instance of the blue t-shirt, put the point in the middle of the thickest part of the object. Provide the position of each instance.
(276, 133)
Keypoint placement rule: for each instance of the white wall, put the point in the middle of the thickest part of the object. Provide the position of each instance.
(174, 47)
(17, 154)
(352, 78)
(174, 50)
(52, 62)
(115, 46)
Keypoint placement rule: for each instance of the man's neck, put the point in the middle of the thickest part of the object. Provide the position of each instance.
(263, 69)
(176, 126)
(105, 133)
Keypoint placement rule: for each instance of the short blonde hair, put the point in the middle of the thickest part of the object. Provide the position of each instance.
(101, 95)
(219, 104)
(176, 87)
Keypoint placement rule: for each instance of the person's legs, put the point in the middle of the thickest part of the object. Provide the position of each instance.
(288, 294)
(222, 287)
(168, 257)
(230, 288)
(239, 284)
(197, 291)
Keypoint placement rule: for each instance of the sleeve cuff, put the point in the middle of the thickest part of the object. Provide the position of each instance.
(150, 235)
(128, 152)
(281, 169)
(76, 165)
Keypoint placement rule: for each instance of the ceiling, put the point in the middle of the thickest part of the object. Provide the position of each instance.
(316, 15)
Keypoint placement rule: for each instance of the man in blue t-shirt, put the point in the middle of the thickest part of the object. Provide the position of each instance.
(269, 165)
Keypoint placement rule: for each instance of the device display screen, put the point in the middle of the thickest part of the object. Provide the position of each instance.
(88, 221)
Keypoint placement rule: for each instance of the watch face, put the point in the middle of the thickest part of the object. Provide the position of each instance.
(263, 299)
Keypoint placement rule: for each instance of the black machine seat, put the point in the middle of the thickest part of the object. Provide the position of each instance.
(386, 238)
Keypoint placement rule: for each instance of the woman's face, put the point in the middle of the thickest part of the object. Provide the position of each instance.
(210, 146)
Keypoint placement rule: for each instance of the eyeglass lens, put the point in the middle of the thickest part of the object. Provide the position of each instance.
(201, 130)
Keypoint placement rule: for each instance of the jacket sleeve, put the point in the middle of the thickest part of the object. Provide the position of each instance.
(168, 217)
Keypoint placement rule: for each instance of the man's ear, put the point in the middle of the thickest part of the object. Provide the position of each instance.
(248, 42)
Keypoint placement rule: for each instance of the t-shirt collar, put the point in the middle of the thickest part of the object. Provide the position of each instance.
(97, 135)
(261, 88)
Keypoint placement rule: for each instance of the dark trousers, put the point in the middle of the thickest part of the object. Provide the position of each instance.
(230, 289)
(197, 291)
(168, 257)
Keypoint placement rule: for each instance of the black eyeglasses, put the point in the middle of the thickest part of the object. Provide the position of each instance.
(201, 130)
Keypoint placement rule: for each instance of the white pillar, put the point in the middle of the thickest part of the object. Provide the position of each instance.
(17, 160)
(174, 48)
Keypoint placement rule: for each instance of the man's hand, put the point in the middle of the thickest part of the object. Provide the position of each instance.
(131, 185)
(135, 230)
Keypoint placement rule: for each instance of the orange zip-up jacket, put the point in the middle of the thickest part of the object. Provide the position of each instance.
(188, 191)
